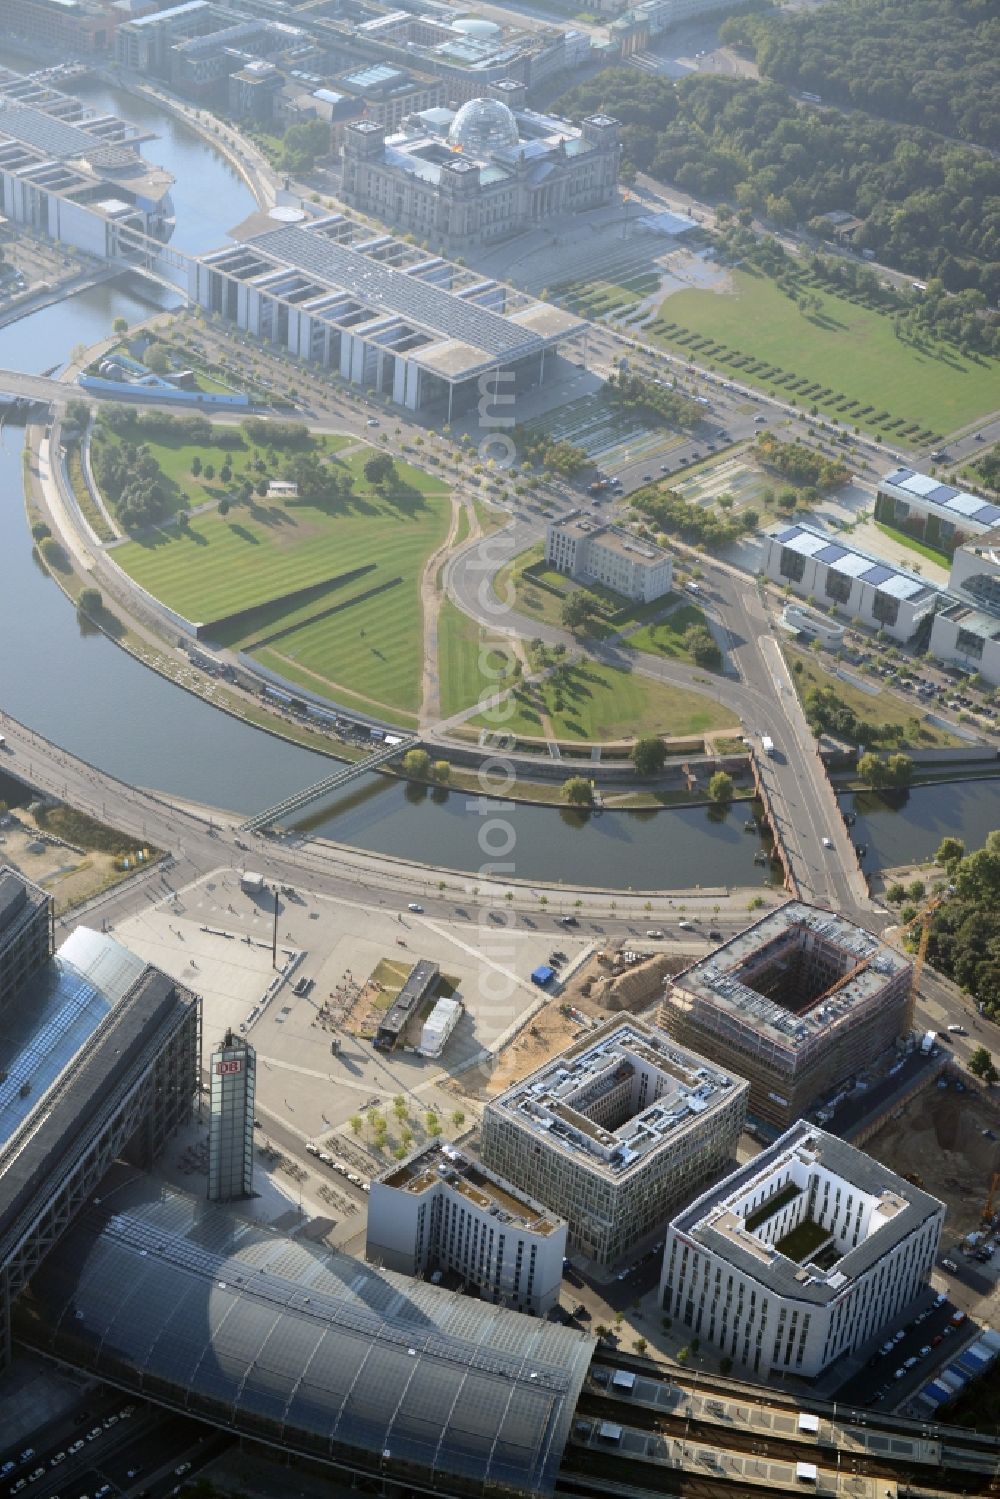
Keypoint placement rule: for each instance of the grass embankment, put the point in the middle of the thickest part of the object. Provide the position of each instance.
(362, 648)
(883, 708)
(838, 355)
(473, 663)
(84, 498)
(665, 637)
(932, 554)
(591, 702)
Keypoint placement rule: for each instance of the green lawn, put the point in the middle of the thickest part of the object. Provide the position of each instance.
(601, 703)
(371, 648)
(470, 660)
(943, 559)
(886, 707)
(666, 637)
(843, 347)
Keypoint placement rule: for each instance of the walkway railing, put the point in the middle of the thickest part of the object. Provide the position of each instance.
(340, 778)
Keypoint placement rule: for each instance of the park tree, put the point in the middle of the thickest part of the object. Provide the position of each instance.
(701, 647)
(720, 787)
(196, 465)
(223, 506)
(441, 771)
(649, 755)
(209, 472)
(578, 791)
(157, 359)
(417, 762)
(977, 877)
(89, 601)
(981, 1065)
(579, 610)
(950, 852)
(895, 770)
(120, 325)
(78, 412)
(380, 470)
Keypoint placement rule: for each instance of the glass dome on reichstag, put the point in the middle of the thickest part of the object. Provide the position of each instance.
(483, 125)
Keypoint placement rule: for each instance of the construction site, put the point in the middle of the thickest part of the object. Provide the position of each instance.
(947, 1142)
(798, 1003)
(614, 980)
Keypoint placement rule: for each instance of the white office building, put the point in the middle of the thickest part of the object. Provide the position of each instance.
(381, 312)
(592, 552)
(820, 566)
(937, 513)
(966, 630)
(442, 1211)
(76, 174)
(799, 1257)
(615, 1133)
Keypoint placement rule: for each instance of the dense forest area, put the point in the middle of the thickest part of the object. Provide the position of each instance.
(928, 205)
(930, 62)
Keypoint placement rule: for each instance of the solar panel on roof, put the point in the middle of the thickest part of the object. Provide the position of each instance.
(832, 553)
(389, 290)
(899, 586)
(876, 574)
(52, 136)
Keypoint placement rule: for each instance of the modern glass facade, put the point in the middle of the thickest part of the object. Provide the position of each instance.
(230, 1137)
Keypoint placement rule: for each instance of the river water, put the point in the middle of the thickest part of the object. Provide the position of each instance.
(78, 689)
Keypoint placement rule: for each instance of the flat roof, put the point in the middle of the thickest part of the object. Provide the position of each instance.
(418, 983)
(19, 899)
(170, 14)
(614, 538)
(855, 563)
(287, 1340)
(390, 279)
(715, 985)
(956, 504)
(556, 1103)
(715, 1222)
(440, 1165)
(389, 290)
(44, 1141)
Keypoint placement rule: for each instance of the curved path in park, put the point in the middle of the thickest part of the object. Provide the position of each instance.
(756, 685)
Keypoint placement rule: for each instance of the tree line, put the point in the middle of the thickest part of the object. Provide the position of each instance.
(929, 206)
(964, 940)
(929, 62)
(633, 393)
(802, 465)
(672, 516)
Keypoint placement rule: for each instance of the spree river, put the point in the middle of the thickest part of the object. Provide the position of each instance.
(78, 689)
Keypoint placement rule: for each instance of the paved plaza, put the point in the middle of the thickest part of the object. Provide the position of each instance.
(218, 939)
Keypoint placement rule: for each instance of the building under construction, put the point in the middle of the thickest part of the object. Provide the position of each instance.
(799, 1002)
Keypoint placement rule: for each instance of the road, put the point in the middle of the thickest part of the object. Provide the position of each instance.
(757, 688)
(200, 840)
(125, 1447)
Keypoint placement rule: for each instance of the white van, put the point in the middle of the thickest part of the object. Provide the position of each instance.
(685, 925)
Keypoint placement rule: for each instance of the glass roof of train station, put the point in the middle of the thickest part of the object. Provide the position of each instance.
(304, 1346)
(54, 1014)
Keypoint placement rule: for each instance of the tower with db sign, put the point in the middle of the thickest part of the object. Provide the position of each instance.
(230, 1132)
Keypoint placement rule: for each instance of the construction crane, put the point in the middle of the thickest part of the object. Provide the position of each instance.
(923, 919)
(988, 1204)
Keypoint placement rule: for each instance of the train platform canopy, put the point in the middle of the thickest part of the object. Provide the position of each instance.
(57, 1011)
(288, 1341)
